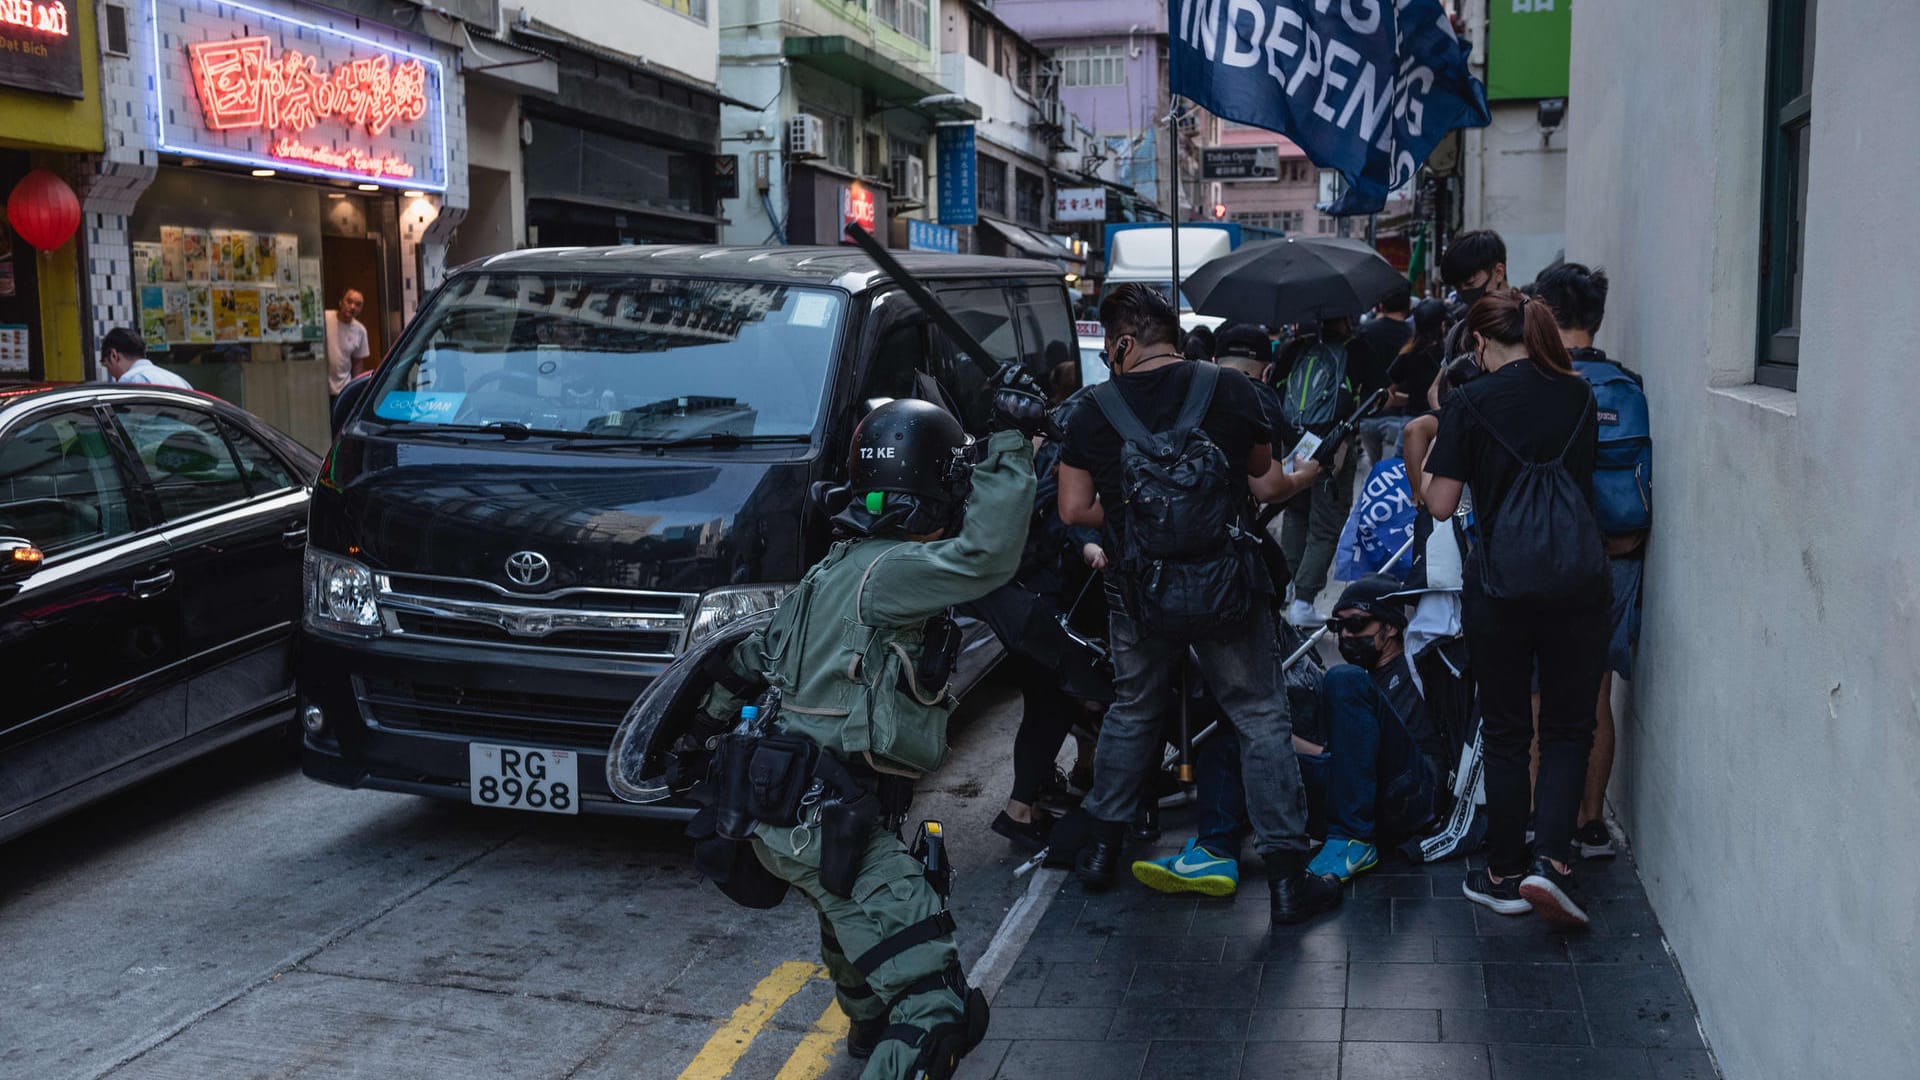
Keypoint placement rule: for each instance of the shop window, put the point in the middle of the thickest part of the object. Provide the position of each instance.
(692, 9)
(1092, 65)
(1291, 220)
(186, 458)
(59, 486)
(1783, 233)
(907, 16)
(1029, 197)
(991, 180)
(569, 162)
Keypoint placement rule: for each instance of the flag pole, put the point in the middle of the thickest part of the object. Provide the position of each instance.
(1173, 146)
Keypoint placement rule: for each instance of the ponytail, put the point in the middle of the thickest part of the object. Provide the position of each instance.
(1511, 317)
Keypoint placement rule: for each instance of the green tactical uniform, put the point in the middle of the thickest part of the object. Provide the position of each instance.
(840, 649)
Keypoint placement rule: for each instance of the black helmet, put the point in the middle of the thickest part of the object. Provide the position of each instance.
(908, 471)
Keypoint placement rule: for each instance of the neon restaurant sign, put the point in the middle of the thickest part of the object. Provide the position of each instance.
(39, 49)
(250, 87)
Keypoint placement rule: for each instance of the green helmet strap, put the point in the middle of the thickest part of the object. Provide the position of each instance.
(876, 502)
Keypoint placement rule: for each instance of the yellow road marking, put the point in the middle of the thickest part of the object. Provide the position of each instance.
(729, 1043)
(816, 1050)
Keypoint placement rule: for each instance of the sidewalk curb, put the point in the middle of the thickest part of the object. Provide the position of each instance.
(1018, 926)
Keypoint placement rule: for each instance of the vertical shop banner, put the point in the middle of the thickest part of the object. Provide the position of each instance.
(957, 177)
(40, 47)
(1529, 48)
(252, 87)
(1367, 89)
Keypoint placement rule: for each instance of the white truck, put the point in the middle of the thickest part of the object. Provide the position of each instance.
(1145, 253)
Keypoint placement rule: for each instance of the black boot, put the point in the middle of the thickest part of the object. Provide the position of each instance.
(1296, 894)
(1069, 834)
(864, 1035)
(1099, 861)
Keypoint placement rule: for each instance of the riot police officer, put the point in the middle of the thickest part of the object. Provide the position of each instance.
(856, 659)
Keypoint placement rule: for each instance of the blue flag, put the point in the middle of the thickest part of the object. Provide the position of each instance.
(1382, 519)
(1367, 87)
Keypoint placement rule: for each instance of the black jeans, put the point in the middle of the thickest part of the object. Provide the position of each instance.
(1568, 640)
(1310, 527)
(1046, 718)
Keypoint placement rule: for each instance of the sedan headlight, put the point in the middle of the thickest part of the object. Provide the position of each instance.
(340, 595)
(719, 607)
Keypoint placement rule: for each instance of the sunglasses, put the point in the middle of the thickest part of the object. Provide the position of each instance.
(1352, 624)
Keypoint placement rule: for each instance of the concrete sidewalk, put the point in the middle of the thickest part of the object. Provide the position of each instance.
(1407, 980)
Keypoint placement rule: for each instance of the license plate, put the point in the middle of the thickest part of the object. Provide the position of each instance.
(524, 778)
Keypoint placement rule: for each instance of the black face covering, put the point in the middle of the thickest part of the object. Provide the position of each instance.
(1363, 652)
(1468, 296)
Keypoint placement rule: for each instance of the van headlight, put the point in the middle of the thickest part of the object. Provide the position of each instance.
(719, 607)
(340, 595)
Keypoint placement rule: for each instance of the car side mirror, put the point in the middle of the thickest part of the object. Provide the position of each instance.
(18, 558)
(348, 400)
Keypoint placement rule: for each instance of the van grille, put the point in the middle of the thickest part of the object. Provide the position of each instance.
(508, 715)
(609, 622)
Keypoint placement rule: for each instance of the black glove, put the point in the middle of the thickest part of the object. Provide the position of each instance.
(1329, 447)
(1018, 404)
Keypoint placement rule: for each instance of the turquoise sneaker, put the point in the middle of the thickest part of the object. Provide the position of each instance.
(1343, 858)
(1195, 869)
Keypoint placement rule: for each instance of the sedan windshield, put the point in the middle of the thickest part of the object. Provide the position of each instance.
(671, 359)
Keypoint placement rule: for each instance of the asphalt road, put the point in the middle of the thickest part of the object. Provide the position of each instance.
(235, 919)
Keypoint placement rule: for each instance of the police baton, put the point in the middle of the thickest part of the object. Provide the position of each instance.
(919, 294)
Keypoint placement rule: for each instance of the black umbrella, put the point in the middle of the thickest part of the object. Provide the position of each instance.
(1292, 280)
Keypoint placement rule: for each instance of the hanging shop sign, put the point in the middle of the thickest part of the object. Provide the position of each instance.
(251, 87)
(857, 206)
(1080, 204)
(40, 47)
(958, 177)
(926, 236)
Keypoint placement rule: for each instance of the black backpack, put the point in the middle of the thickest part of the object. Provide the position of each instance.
(1185, 569)
(1544, 543)
(1310, 399)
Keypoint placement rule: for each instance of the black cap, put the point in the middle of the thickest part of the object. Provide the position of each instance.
(1370, 594)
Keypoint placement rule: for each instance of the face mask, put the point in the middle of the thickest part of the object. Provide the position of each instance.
(1362, 652)
(1468, 296)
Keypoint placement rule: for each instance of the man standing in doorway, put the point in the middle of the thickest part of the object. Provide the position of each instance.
(346, 343)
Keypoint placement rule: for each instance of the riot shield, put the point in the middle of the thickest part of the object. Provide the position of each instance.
(652, 757)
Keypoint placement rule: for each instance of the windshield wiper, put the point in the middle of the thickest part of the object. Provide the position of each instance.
(510, 430)
(711, 438)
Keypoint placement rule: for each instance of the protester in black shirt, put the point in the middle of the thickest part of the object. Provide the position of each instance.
(1532, 401)
(1241, 668)
(1390, 329)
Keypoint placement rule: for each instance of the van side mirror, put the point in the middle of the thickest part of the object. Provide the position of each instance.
(18, 558)
(348, 400)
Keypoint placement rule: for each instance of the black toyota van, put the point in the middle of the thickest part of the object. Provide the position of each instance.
(575, 463)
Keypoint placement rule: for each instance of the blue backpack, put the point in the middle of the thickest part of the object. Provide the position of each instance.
(1623, 473)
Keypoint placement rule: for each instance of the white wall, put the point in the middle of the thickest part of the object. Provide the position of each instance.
(1516, 185)
(1770, 778)
(1007, 117)
(638, 28)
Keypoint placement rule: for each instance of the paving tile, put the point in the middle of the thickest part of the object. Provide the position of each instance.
(1433, 916)
(1064, 948)
(1391, 949)
(1631, 949)
(1415, 986)
(1514, 1026)
(1302, 986)
(984, 1061)
(1155, 917)
(1271, 948)
(1354, 916)
(1074, 1025)
(1203, 986)
(1501, 950)
(1060, 916)
(1244, 914)
(1161, 1023)
(1083, 986)
(1291, 1061)
(1021, 987)
(1637, 1005)
(1176, 1060)
(1532, 986)
(1294, 1025)
(1050, 1059)
(1412, 1061)
(1392, 1025)
(1159, 949)
(1493, 924)
(1417, 886)
(1672, 1064)
(1622, 916)
(1569, 1063)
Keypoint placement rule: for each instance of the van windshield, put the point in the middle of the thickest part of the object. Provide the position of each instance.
(667, 358)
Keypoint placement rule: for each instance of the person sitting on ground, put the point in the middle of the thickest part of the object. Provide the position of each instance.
(1371, 772)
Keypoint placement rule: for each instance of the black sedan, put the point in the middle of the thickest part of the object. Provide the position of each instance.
(150, 562)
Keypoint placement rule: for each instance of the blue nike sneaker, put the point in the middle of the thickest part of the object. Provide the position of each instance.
(1343, 858)
(1195, 869)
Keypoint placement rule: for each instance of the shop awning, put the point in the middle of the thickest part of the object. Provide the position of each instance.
(894, 83)
(1033, 244)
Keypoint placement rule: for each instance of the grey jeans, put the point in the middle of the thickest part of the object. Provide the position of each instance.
(1243, 673)
(1310, 532)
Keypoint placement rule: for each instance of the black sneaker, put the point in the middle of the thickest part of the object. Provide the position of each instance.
(1028, 835)
(864, 1035)
(1553, 894)
(1098, 864)
(1503, 897)
(1594, 841)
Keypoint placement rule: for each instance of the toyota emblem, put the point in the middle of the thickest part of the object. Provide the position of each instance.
(528, 568)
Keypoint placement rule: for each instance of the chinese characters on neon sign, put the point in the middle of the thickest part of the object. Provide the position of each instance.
(28, 15)
(243, 85)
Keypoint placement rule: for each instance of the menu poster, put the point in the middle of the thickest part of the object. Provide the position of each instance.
(176, 308)
(313, 308)
(220, 254)
(15, 347)
(153, 316)
(226, 320)
(199, 313)
(173, 254)
(197, 244)
(286, 254)
(146, 263)
(282, 314)
(246, 267)
(246, 306)
(265, 260)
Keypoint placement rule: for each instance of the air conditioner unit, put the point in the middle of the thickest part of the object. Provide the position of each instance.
(806, 137)
(910, 179)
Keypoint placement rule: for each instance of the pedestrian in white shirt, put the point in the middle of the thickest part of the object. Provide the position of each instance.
(124, 355)
(346, 342)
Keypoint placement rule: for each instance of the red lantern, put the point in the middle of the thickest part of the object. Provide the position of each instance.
(43, 210)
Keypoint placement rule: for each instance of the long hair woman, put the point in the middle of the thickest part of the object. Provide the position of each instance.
(1529, 407)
